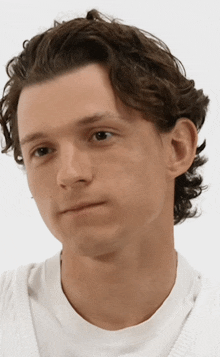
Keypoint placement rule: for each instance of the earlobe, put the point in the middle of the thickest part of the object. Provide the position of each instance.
(183, 144)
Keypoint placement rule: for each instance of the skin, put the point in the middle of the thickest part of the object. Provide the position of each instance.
(118, 260)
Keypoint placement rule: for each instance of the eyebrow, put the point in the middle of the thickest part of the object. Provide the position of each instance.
(80, 123)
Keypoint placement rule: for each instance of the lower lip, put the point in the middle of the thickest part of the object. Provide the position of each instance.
(85, 210)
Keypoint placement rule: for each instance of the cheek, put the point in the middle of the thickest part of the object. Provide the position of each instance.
(41, 188)
(140, 189)
(37, 185)
(41, 191)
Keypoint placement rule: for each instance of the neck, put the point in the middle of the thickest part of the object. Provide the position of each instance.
(119, 290)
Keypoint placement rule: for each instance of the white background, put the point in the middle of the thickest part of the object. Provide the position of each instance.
(191, 30)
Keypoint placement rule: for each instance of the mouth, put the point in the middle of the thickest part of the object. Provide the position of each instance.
(84, 209)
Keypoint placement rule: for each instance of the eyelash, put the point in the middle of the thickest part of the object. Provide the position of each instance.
(42, 147)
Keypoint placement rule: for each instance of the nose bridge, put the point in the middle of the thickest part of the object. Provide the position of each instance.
(73, 165)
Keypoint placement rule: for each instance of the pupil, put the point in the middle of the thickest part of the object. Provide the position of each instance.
(101, 135)
(42, 151)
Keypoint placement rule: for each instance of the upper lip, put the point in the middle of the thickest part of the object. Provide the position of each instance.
(80, 206)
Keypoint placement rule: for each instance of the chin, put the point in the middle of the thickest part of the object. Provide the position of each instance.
(93, 244)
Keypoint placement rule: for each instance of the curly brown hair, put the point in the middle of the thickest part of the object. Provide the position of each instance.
(143, 72)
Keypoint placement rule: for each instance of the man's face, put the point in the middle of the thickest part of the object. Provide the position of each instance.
(118, 160)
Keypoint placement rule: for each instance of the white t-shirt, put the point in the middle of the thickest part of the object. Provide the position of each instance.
(62, 332)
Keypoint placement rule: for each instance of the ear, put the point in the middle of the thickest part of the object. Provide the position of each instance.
(181, 144)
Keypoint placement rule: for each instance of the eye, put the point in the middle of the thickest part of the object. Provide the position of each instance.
(101, 135)
(41, 152)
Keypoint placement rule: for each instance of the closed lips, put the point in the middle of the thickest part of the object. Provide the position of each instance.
(79, 207)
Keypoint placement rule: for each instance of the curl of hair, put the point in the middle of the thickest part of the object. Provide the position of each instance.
(143, 72)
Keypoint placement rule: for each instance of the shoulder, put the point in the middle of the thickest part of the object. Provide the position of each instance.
(200, 335)
(10, 282)
(210, 292)
(207, 319)
(14, 283)
(7, 280)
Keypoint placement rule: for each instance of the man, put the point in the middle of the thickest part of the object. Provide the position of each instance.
(106, 127)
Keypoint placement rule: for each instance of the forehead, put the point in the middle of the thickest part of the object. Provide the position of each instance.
(73, 93)
(78, 94)
(70, 85)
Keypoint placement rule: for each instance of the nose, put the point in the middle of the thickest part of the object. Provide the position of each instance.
(73, 166)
